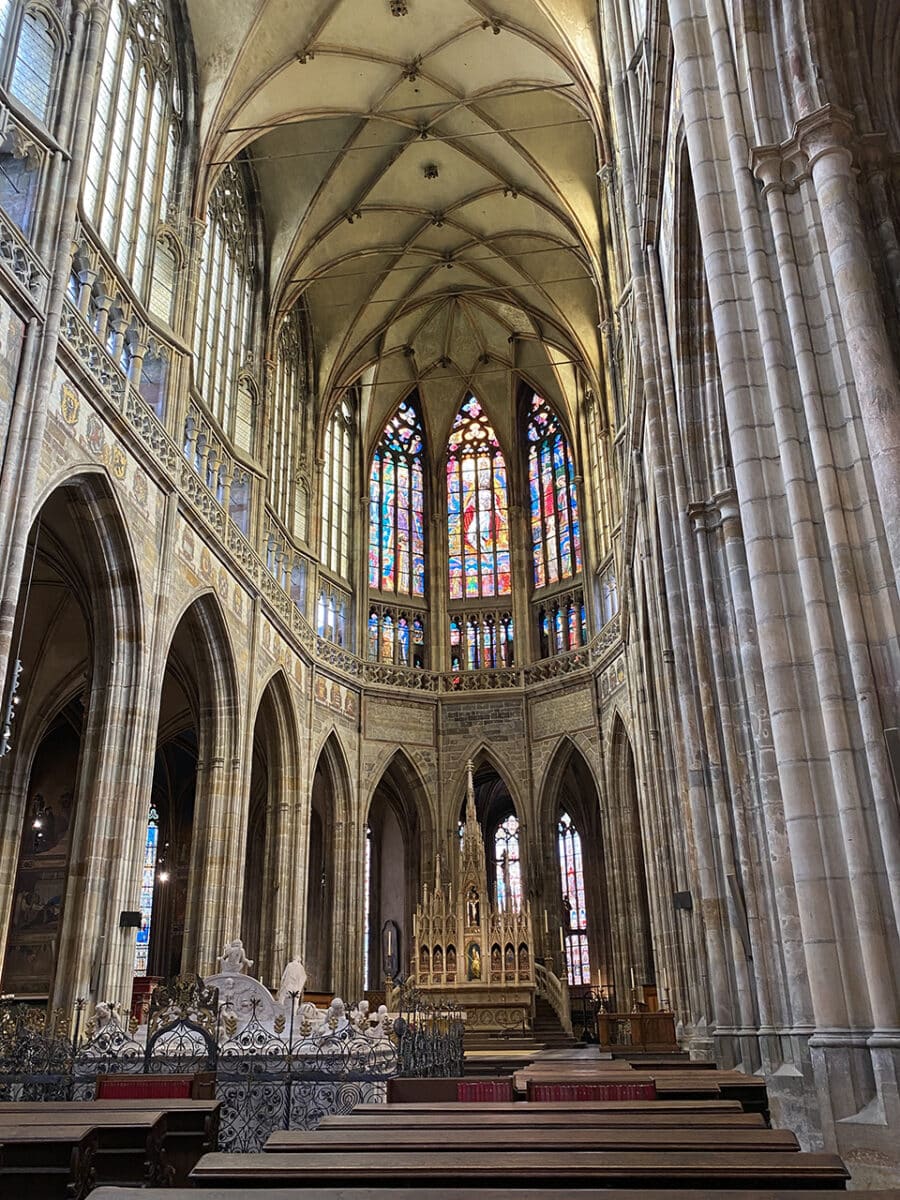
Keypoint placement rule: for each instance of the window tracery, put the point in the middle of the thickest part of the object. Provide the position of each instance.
(32, 42)
(481, 640)
(397, 506)
(334, 540)
(287, 494)
(129, 174)
(223, 339)
(477, 508)
(395, 636)
(562, 624)
(555, 525)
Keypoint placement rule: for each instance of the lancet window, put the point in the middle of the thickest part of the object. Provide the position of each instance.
(555, 525)
(223, 338)
(477, 508)
(30, 49)
(507, 865)
(332, 609)
(395, 636)
(148, 882)
(574, 905)
(337, 475)
(397, 507)
(287, 493)
(129, 180)
(562, 624)
(481, 640)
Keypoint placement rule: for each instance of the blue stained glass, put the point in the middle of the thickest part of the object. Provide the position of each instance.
(555, 534)
(396, 511)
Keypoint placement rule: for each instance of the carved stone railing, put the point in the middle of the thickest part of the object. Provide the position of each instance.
(556, 992)
(109, 377)
(21, 262)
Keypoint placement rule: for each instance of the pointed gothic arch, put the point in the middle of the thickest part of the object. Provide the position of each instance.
(327, 892)
(633, 927)
(580, 929)
(78, 631)
(266, 911)
(399, 837)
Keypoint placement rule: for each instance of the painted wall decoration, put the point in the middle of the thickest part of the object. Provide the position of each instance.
(43, 865)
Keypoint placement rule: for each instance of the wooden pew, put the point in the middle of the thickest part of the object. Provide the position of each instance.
(192, 1126)
(130, 1146)
(400, 1089)
(454, 1193)
(590, 1106)
(489, 1139)
(559, 1169)
(464, 1118)
(47, 1162)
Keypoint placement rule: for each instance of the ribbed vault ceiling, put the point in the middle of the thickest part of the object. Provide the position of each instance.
(429, 185)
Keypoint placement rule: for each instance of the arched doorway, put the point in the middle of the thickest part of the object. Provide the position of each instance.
(65, 786)
(578, 926)
(325, 893)
(266, 926)
(185, 904)
(398, 841)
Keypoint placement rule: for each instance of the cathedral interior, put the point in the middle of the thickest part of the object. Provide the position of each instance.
(388, 386)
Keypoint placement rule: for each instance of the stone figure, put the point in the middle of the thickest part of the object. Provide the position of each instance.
(472, 908)
(293, 979)
(234, 960)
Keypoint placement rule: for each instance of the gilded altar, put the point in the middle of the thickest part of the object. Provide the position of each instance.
(468, 949)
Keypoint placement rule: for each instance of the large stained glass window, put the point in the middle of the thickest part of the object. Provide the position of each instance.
(572, 871)
(555, 528)
(148, 879)
(397, 507)
(507, 866)
(477, 502)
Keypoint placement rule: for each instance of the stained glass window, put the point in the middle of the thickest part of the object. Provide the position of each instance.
(555, 528)
(397, 507)
(477, 502)
(488, 641)
(507, 866)
(148, 879)
(572, 872)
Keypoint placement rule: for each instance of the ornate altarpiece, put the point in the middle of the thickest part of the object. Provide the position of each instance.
(478, 956)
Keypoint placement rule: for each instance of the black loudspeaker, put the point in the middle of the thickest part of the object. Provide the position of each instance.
(129, 920)
(683, 900)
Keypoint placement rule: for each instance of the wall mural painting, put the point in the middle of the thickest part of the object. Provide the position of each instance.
(43, 865)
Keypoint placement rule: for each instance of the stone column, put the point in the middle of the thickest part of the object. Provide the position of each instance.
(826, 136)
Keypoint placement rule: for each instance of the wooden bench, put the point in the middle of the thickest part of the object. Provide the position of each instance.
(441, 1193)
(192, 1126)
(47, 1162)
(489, 1139)
(130, 1146)
(590, 1106)
(495, 1088)
(559, 1168)
(518, 1119)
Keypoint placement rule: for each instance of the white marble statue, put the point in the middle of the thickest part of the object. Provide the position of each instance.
(234, 961)
(292, 980)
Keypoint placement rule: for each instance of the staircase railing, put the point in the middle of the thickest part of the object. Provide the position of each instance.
(556, 992)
